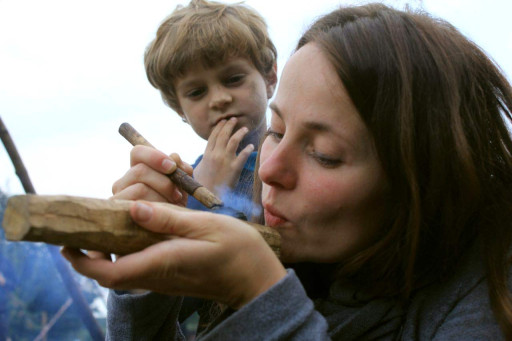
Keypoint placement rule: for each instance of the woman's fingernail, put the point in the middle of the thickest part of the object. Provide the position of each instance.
(143, 212)
(177, 195)
(168, 165)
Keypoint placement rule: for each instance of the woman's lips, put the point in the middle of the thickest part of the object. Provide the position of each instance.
(272, 217)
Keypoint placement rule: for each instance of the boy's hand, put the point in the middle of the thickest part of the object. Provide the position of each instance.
(147, 177)
(220, 166)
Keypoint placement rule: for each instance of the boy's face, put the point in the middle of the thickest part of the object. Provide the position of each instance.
(230, 89)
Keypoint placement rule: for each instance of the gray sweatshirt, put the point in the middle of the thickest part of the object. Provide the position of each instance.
(457, 309)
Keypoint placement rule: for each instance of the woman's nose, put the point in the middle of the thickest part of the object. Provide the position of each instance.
(220, 97)
(278, 166)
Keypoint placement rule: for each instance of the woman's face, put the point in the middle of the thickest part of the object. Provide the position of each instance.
(323, 186)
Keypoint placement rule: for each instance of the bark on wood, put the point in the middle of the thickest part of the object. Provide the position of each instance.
(88, 223)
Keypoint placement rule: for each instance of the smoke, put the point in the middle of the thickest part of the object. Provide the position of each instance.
(239, 202)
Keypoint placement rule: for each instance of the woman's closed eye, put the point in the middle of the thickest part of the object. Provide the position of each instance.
(325, 160)
(274, 135)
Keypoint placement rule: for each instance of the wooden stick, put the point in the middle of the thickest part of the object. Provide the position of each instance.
(89, 224)
(179, 177)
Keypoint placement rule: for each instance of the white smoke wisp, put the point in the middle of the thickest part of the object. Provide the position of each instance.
(239, 202)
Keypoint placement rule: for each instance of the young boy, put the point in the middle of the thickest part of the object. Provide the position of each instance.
(215, 65)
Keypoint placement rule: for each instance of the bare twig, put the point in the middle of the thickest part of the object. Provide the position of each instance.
(54, 319)
(21, 171)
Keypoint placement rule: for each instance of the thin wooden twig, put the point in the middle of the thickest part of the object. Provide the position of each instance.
(21, 171)
(54, 319)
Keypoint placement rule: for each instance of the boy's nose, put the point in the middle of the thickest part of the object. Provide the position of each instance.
(220, 97)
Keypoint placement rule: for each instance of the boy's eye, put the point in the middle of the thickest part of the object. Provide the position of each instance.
(235, 79)
(194, 93)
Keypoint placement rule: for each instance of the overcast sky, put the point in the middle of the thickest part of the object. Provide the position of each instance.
(72, 71)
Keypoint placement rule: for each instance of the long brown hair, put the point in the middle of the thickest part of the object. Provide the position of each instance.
(439, 110)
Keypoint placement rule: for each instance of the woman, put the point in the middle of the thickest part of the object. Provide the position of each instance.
(386, 170)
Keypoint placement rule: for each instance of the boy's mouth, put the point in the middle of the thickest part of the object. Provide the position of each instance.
(225, 117)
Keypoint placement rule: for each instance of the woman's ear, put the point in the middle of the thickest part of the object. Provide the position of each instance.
(271, 80)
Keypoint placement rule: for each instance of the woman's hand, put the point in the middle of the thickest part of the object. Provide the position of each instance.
(220, 166)
(147, 177)
(215, 257)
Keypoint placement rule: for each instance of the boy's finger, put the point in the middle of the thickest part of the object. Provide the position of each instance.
(212, 139)
(242, 157)
(234, 141)
(225, 133)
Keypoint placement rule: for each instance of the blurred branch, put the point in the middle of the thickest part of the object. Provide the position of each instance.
(21, 171)
(54, 319)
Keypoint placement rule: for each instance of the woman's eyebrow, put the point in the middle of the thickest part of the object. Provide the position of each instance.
(317, 126)
(275, 109)
(310, 125)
